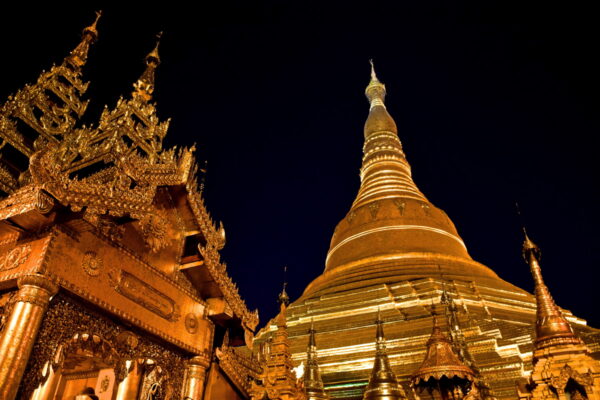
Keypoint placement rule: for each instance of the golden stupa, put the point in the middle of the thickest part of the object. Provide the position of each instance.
(397, 252)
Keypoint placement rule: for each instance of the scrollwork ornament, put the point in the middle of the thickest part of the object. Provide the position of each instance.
(15, 257)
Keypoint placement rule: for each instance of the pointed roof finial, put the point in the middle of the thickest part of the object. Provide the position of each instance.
(373, 74)
(92, 29)
(153, 55)
(375, 91)
(78, 56)
(284, 299)
(144, 87)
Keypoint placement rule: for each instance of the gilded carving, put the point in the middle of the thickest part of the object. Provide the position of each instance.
(91, 264)
(191, 323)
(154, 230)
(6, 304)
(143, 294)
(65, 316)
(373, 209)
(15, 257)
(104, 384)
(127, 340)
(559, 382)
(401, 205)
(351, 216)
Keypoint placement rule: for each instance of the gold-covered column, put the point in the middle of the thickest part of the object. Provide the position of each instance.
(195, 375)
(21, 330)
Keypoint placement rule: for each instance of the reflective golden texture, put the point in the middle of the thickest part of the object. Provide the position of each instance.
(442, 371)
(313, 384)
(396, 251)
(550, 327)
(390, 220)
(277, 381)
(479, 385)
(382, 383)
(195, 375)
(118, 223)
(562, 365)
(21, 329)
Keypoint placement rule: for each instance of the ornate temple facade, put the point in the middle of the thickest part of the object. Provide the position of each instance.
(111, 283)
(396, 252)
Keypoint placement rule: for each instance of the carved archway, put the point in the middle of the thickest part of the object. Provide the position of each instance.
(85, 362)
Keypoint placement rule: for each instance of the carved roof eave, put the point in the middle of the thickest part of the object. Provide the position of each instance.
(101, 199)
(217, 269)
(237, 368)
(424, 374)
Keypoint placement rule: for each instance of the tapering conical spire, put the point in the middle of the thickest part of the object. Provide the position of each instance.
(313, 384)
(144, 87)
(78, 56)
(382, 384)
(385, 171)
(390, 216)
(277, 379)
(552, 328)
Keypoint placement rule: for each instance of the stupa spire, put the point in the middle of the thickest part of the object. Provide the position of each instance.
(383, 383)
(551, 326)
(389, 210)
(313, 384)
(144, 87)
(277, 380)
(385, 172)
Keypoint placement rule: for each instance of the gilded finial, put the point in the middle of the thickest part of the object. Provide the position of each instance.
(284, 299)
(373, 74)
(92, 29)
(375, 91)
(144, 87)
(153, 55)
(78, 56)
(529, 248)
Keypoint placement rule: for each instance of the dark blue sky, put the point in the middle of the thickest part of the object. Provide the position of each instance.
(494, 103)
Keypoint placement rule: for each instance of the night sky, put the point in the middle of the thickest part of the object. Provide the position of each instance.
(495, 103)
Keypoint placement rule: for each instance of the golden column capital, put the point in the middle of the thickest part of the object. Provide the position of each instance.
(40, 281)
(195, 375)
(200, 361)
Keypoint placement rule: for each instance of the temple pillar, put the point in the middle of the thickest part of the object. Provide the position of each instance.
(130, 386)
(195, 375)
(21, 330)
(47, 390)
